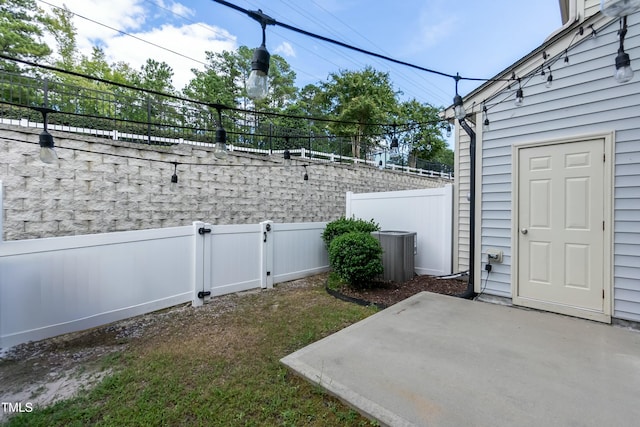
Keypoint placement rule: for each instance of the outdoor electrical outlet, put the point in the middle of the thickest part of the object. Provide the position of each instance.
(494, 255)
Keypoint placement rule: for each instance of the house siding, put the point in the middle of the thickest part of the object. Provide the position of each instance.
(584, 99)
(462, 219)
(591, 7)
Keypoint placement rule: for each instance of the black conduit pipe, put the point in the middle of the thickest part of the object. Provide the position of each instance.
(470, 293)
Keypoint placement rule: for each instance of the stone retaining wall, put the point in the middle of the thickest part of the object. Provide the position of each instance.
(101, 185)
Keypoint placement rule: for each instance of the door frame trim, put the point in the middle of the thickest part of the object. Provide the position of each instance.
(605, 315)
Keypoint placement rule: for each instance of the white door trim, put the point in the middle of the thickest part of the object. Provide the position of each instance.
(605, 315)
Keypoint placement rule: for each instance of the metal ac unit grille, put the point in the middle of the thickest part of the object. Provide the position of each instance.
(398, 254)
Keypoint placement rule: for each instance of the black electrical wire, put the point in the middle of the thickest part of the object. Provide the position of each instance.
(271, 21)
(548, 63)
(181, 98)
(169, 162)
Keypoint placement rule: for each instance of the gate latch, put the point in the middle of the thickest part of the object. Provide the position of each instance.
(203, 230)
(203, 294)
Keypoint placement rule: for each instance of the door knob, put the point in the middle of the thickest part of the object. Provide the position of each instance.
(524, 230)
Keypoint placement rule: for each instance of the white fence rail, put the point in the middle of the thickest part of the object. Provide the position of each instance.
(58, 285)
(302, 152)
(428, 212)
(298, 251)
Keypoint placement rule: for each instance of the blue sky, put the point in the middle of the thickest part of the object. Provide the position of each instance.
(474, 38)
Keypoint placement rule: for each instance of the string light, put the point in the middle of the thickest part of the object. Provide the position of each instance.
(549, 79)
(458, 105)
(257, 85)
(485, 116)
(394, 141)
(287, 158)
(624, 72)
(448, 130)
(220, 150)
(174, 177)
(47, 153)
(519, 101)
(306, 175)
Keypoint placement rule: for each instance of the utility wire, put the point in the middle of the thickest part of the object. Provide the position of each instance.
(271, 21)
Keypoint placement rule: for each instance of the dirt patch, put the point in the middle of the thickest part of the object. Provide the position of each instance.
(386, 294)
(44, 372)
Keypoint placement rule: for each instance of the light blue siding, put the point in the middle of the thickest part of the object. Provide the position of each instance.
(584, 99)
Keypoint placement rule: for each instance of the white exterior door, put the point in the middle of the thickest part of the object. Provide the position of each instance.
(560, 228)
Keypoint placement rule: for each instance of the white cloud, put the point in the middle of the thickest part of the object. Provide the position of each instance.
(191, 41)
(124, 15)
(178, 9)
(285, 49)
(181, 10)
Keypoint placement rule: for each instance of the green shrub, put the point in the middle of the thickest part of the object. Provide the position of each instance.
(347, 225)
(356, 257)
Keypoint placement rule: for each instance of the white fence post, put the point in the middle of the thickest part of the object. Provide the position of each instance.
(266, 255)
(199, 264)
(349, 198)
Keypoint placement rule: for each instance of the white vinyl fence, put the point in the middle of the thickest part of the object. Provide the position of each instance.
(58, 285)
(241, 257)
(427, 212)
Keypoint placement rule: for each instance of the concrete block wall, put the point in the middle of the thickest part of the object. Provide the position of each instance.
(100, 185)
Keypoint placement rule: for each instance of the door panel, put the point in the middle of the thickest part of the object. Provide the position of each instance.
(560, 225)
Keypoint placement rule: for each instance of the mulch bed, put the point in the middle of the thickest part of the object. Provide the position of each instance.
(385, 294)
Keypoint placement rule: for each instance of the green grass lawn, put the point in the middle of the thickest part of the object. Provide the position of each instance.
(203, 368)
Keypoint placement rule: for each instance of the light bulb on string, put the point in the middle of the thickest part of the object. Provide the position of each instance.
(287, 158)
(174, 178)
(624, 72)
(220, 149)
(395, 147)
(448, 130)
(485, 122)
(257, 85)
(47, 153)
(519, 101)
(549, 79)
(458, 105)
(305, 177)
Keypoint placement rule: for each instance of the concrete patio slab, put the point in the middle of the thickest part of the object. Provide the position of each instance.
(434, 360)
